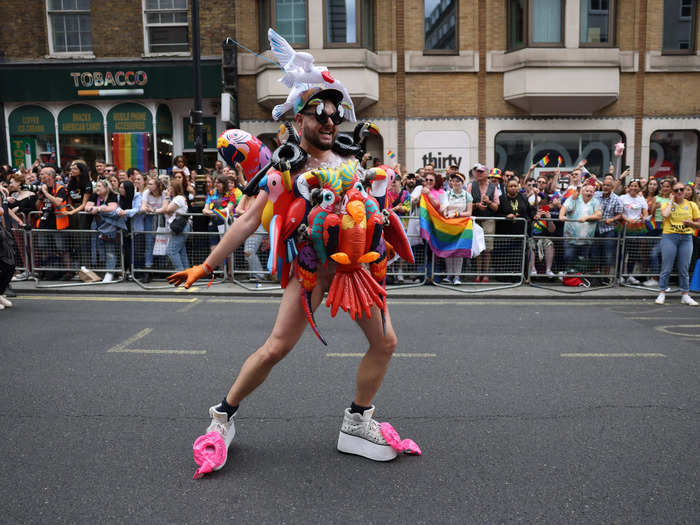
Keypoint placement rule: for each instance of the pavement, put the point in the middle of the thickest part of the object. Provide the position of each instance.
(547, 290)
(581, 411)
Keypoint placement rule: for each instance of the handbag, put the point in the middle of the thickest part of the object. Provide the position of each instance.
(160, 245)
(177, 225)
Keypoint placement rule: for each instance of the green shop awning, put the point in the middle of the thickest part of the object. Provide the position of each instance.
(129, 117)
(80, 119)
(209, 126)
(31, 120)
(99, 80)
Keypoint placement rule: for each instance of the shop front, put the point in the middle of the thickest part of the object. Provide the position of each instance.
(130, 114)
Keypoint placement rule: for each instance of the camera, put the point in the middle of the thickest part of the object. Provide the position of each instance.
(34, 188)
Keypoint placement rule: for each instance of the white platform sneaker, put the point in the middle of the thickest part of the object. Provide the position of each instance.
(360, 435)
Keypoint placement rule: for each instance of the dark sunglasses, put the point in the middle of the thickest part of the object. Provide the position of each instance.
(429, 180)
(322, 116)
(677, 190)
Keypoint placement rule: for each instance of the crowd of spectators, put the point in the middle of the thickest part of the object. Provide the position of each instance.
(572, 221)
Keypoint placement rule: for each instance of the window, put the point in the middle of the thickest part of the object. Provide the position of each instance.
(535, 23)
(348, 23)
(166, 26)
(440, 25)
(597, 17)
(69, 25)
(517, 151)
(287, 17)
(679, 27)
(674, 153)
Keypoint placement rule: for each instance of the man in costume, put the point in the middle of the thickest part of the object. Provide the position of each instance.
(318, 111)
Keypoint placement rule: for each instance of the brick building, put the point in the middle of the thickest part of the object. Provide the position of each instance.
(447, 81)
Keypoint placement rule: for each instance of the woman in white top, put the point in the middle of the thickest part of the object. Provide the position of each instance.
(459, 204)
(177, 247)
(634, 212)
(152, 199)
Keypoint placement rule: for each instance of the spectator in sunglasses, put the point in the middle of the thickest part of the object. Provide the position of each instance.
(681, 220)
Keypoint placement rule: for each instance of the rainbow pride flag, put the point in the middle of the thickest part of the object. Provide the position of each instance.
(130, 150)
(391, 154)
(568, 193)
(539, 227)
(560, 160)
(652, 224)
(446, 237)
(544, 161)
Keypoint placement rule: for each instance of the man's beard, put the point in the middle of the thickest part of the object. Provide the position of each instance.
(314, 139)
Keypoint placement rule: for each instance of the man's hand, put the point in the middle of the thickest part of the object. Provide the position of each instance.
(189, 276)
(609, 221)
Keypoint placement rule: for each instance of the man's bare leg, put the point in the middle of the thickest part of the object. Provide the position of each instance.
(375, 362)
(288, 328)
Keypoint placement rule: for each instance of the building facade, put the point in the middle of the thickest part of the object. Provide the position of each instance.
(502, 82)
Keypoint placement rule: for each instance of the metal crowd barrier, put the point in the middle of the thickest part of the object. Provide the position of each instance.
(66, 251)
(593, 260)
(149, 252)
(643, 254)
(402, 274)
(502, 261)
(46, 254)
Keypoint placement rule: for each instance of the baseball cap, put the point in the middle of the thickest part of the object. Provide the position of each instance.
(479, 167)
(495, 173)
(317, 93)
(458, 175)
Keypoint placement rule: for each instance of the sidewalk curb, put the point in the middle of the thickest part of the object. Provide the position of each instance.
(422, 292)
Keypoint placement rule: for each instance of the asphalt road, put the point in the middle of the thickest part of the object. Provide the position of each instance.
(519, 416)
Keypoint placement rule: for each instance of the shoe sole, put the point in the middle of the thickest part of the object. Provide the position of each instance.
(361, 447)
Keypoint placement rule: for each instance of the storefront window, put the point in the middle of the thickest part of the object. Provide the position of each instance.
(130, 130)
(81, 134)
(517, 151)
(164, 131)
(674, 154)
(32, 135)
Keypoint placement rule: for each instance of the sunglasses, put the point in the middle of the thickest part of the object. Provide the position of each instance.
(429, 180)
(677, 190)
(322, 117)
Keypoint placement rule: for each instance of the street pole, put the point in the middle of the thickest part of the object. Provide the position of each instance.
(196, 115)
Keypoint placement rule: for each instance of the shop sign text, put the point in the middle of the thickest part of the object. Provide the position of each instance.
(87, 79)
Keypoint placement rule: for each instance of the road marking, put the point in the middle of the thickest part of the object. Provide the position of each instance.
(140, 335)
(122, 347)
(650, 354)
(359, 354)
(126, 298)
(665, 329)
(245, 301)
(158, 351)
(187, 307)
(641, 310)
(657, 318)
(422, 302)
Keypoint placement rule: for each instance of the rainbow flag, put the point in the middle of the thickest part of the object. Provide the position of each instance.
(651, 224)
(130, 150)
(560, 160)
(446, 237)
(636, 228)
(391, 154)
(544, 161)
(568, 193)
(539, 227)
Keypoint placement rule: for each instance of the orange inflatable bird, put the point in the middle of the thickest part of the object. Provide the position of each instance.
(353, 289)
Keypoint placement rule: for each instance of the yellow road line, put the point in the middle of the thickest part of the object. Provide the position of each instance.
(358, 354)
(126, 298)
(657, 318)
(121, 346)
(188, 307)
(158, 351)
(637, 354)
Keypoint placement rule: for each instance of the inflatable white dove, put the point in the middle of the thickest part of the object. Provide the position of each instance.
(301, 74)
